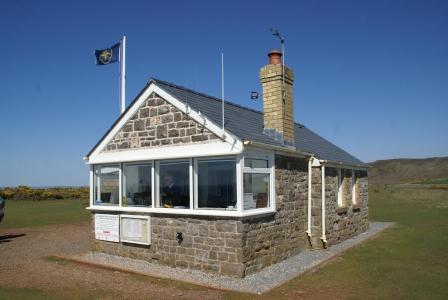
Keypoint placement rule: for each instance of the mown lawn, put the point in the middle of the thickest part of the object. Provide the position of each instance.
(29, 213)
(407, 261)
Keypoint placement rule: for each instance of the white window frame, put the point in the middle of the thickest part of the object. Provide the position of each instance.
(190, 180)
(135, 163)
(269, 157)
(95, 180)
(340, 182)
(196, 188)
(354, 189)
(193, 210)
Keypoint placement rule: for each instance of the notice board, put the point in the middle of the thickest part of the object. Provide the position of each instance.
(135, 229)
(107, 227)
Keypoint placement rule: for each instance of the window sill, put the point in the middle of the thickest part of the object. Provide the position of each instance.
(341, 210)
(192, 212)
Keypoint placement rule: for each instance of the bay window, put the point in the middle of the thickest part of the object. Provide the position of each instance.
(107, 185)
(226, 185)
(137, 183)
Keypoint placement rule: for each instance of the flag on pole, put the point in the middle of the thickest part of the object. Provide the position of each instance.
(109, 55)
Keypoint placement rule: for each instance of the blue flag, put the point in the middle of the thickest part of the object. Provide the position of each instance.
(109, 55)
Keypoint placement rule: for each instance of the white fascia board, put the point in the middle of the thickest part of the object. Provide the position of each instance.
(224, 136)
(217, 148)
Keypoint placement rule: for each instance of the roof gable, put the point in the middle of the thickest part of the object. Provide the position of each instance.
(116, 138)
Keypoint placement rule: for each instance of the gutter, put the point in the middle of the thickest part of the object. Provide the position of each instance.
(278, 148)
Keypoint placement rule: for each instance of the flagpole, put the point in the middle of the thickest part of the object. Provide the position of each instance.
(123, 74)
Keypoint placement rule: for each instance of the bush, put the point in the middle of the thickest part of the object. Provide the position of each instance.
(23, 192)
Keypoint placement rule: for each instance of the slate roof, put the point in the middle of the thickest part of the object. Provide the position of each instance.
(246, 124)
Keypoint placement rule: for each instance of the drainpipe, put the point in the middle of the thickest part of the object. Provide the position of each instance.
(309, 196)
(323, 237)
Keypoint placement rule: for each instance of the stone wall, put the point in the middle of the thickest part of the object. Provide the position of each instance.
(345, 222)
(273, 238)
(230, 246)
(158, 123)
(210, 244)
(341, 223)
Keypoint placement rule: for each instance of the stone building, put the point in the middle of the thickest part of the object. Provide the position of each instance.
(171, 185)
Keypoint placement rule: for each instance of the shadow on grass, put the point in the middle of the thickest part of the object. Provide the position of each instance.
(9, 237)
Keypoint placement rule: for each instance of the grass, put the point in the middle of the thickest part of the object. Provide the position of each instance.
(407, 261)
(432, 181)
(29, 213)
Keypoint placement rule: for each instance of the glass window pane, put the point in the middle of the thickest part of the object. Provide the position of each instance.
(255, 163)
(107, 182)
(137, 182)
(217, 184)
(256, 191)
(174, 184)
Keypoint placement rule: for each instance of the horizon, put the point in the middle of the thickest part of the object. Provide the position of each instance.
(371, 77)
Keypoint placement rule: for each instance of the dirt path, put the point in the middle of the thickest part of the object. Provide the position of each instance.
(24, 264)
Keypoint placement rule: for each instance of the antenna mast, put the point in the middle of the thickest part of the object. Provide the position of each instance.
(276, 33)
(222, 89)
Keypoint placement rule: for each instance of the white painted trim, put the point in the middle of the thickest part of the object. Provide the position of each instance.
(120, 185)
(339, 188)
(273, 194)
(239, 183)
(174, 211)
(153, 184)
(354, 199)
(92, 184)
(227, 137)
(217, 148)
(323, 237)
(315, 162)
(191, 183)
(195, 185)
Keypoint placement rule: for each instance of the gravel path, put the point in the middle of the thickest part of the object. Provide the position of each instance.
(257, 283)
(25, 265)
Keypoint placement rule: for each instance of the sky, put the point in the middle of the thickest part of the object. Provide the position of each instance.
(370, 76)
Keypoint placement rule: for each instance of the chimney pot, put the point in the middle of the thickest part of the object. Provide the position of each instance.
(275, 57)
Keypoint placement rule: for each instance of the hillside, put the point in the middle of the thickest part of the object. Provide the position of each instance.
(407, 170)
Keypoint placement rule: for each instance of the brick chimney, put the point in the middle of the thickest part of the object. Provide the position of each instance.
(278, 101)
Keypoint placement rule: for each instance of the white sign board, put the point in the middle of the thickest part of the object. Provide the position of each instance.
(135, 229)
(107, 227)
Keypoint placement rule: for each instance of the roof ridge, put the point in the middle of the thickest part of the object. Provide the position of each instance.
(155, 80)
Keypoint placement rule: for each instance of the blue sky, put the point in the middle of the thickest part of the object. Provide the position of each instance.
(371, 76)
